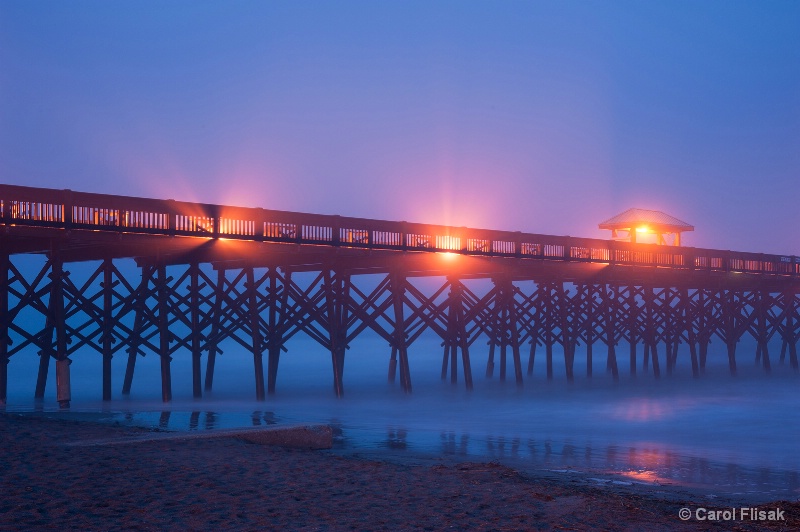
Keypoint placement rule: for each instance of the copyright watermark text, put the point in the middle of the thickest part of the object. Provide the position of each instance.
(732, 514)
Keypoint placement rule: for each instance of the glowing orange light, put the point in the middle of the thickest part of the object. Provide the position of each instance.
(448, 242)
(643, 229)
(449, 255)
(644, 476)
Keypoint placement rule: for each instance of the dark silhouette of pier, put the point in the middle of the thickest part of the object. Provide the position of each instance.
(212, 273)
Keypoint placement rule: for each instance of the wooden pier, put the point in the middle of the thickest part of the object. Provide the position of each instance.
(211, 273)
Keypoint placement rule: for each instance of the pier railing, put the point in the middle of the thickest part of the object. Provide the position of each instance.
(66, 209)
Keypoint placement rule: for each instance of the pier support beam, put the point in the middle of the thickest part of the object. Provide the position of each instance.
(731, 332)
(762, 338)
(611, 359)
(336, 286)
(610, 306)
(216, 323)
(494, 339)
(195, 334)
(513, 324)
(164, 334)
(790, 335)
(48, 344)
(450, 340)
(688, 316)
(508, 327)
(532, 355)
(650, 336)
(392, 375)
(499, 330)
(732, 356)
(400, 346)
(456, 336)
(547, 324)
(108, 325)
(140, 304)
(703, 334)
(568, 337)
(449, 356)
(276, 323)
(46, 348)
(703, 348)
(463, 341)
(255, 331)
(490, 361)
(63, 385)
(633, 327)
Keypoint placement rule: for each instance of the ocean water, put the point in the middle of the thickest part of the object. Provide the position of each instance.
(731, 437)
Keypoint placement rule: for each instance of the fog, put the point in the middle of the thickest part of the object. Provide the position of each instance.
(727, 436)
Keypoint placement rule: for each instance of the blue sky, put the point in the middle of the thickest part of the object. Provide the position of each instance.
(544, 117)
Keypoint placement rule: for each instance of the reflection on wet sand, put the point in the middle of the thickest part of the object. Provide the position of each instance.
(453, 445)
(397, 439)
(263, 418)
(163, 421)
(644, 462)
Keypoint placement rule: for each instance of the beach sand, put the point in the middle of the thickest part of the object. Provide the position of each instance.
(48, 482)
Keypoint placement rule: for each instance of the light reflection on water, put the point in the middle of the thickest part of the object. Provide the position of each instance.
(645, 462)
(731, 437)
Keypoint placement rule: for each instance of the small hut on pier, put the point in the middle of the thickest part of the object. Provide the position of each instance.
(646, 222)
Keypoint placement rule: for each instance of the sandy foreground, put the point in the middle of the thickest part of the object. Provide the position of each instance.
(49, 482)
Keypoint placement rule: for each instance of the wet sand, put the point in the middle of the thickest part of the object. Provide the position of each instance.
(49, 482)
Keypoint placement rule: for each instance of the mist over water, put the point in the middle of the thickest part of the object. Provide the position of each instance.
(728, 436)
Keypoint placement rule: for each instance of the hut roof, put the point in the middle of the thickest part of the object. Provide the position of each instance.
(637, 217)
